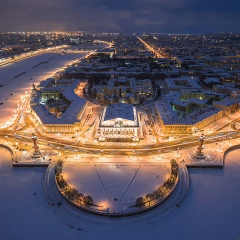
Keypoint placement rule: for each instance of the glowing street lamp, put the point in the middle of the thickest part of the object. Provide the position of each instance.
(172, 131)
(177, 151)
(220, 146)
(159, 151)
(153, 138)
(6, 139)
(133, 151)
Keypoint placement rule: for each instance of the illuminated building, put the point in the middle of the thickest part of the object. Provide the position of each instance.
(119, 122)
(66, 111)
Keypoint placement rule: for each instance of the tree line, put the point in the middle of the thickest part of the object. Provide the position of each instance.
(161, 191)
(71, 193)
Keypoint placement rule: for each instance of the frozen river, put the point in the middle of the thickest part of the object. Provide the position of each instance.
(210, 210)
(18, 77)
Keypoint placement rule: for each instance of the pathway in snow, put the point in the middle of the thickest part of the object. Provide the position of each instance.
(116, 203)
(115, 185)
(132, 181)
(95, 170)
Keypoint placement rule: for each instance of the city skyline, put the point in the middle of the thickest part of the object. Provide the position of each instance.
(182, 16)
(119, 136)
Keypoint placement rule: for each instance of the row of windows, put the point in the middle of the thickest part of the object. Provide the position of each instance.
(59, 130)
(59, 126)
(176, 127)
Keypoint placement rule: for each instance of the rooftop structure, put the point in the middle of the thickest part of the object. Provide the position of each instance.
(177, 84)
(127, 90)
(119, 110)
(69, 116)
(119, 122)
(186, 115)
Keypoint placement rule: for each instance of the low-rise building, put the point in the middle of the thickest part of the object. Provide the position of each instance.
(61, 118)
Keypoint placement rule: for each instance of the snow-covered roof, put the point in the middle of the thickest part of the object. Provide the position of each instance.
(180, 103)
(46, 83)
(169, 115)
(70, 116)
(185, 82)
(211, 80)
(119, 110)
(228, 101)
(198, 101)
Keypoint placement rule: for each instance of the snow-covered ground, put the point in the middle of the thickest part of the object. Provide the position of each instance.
(209, 211)
(116, 185)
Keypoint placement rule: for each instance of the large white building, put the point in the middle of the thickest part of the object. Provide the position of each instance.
(119, 122)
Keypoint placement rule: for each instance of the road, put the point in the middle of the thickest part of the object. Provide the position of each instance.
(151, 49)
(65, 146)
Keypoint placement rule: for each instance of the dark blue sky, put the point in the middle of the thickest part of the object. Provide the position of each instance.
(167, 16)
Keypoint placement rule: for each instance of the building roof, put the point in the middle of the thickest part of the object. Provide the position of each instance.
(226, 102)
(71, 115)
(180, 83)
(119, 110)
(169, 115)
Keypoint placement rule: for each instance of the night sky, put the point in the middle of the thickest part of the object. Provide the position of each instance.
(158, 16)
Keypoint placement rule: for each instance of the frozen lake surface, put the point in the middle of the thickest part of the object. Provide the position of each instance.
(210, 210)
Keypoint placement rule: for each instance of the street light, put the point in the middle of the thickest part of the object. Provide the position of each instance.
(133, 151)
(159, 151)
(153, 138)
(229, 143)
(58, 150)
(220, 147)
(172, 133)
(6, 139)
(229, 115)
(177, 151)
